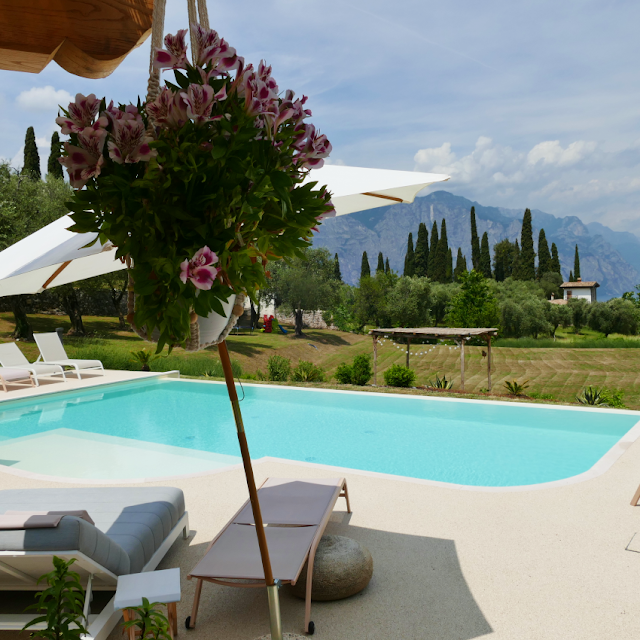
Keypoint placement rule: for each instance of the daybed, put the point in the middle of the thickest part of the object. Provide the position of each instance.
(134, 528)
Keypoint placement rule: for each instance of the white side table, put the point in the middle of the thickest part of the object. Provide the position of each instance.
(156, 586)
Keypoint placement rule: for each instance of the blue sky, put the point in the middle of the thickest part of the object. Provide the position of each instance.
(524, 104)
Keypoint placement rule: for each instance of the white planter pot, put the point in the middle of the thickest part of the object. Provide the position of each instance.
(214, 324)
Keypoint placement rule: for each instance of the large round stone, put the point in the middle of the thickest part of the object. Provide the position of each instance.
(341, 568)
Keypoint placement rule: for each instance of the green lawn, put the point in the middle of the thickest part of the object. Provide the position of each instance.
(561, 372)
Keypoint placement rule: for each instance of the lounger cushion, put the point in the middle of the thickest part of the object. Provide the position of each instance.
(10, 374)
(131, 522)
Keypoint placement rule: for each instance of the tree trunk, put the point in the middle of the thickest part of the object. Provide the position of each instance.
(71, 306)
(298, 318)
(116, 299)
(23, 330)
(254, 316)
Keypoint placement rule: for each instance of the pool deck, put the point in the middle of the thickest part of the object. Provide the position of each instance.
(449, 564)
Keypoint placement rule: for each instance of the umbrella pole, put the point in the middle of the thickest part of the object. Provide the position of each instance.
(272, 587)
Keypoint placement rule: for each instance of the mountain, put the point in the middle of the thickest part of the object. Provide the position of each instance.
(610, 257)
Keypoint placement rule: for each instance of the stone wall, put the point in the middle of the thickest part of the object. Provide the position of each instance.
(310, 319)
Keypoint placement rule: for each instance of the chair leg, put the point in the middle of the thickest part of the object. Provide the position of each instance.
(196, 604)
(172, 616)
(636, 497)
(345, 495)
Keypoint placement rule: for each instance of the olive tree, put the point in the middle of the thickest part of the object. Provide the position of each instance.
(615, 316)
(579, 309)
(303, 283)
(409, 301)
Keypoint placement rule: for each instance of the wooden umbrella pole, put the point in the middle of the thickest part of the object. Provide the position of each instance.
(272, 588)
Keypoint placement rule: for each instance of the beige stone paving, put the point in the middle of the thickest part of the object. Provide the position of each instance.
(449, 564)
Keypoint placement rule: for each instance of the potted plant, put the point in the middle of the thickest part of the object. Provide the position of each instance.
(60, 604)
(200, 186)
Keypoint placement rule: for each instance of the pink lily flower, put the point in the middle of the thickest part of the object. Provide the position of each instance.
(82, 165)
(131, 143)
(82, 113)
(200, 99)
(175, 54)
(168, 109)
(214, 51)
(199, 270)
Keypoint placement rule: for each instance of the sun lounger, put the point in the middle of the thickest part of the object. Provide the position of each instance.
(296, 512)
(134, 528)
(9, 375)
(52, 352)
(11, 356)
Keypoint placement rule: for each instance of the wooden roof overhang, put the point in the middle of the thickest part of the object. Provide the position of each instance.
(435, 332)
(88, 38)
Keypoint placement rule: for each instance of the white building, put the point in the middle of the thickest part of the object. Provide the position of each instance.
(579, 289)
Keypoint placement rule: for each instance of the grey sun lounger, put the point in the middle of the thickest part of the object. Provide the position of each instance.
(11, 356)
(134, 528)
(52, 352)
(12, 375)
(298, 511)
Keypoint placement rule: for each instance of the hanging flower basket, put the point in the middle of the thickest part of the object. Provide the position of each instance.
(199, 187)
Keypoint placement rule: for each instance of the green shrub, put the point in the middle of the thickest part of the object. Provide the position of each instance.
(307, 372)
(441, 383)
(613, 398)
(278, 368)
(536, 395)
(358, 373)
(398, 375)
(344, 374)
(515, 388)
(362, 371)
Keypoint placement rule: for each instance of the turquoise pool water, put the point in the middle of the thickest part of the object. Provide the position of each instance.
(467, 443)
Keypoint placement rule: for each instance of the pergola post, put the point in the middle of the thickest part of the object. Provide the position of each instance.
(375, 360)
(489, 361)
(408, 347)
(462, 363)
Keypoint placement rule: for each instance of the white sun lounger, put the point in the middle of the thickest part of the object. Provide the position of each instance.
(299, 511)
(11, 356)
(14, 376)
(52, 352)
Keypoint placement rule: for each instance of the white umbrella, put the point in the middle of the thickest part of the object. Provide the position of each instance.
(54, 255)
(358, 189)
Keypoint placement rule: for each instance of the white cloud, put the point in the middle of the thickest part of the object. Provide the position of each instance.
(43, 98)
(561, 180)
(437, 157)
(550, 152)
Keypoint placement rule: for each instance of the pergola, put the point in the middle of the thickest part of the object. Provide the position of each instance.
(459, 335)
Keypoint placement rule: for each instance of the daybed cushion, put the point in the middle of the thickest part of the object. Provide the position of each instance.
(131, 522)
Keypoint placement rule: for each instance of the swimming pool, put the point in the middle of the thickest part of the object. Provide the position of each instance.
(166, 427)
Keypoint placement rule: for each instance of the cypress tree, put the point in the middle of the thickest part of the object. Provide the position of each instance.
(380, 267)
(440, 263)
(526, 267)
(485, 256)
(448, 276)
(461, 266)
(515, 265)
(433, 250)
(409, 258)
(504, 254)
(576, 264)
(475, 242)
(365, 270)
(31, 166)
(54, 168)
(422, 251)
(337, 275)
(544, 255)
(555, 259)
(571, 276)
(387, 268)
